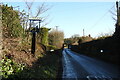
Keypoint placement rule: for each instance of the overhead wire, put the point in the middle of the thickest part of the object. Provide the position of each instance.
(96, 23)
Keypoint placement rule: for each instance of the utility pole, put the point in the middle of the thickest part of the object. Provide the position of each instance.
(56, 27)
(83, 32)
(117, 11)
(117, 28)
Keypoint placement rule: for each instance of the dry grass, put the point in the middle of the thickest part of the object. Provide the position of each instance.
(20, 52)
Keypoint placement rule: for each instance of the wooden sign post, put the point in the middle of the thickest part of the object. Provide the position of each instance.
(35, 30)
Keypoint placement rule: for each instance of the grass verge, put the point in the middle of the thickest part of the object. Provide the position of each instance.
(46, 67)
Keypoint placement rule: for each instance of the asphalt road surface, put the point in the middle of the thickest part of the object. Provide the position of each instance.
(81, 67)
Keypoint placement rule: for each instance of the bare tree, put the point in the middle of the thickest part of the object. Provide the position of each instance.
(41, 9)
(29, 6)
(114, 15)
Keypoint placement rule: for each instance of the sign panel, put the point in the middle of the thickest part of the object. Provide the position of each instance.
(35, 19)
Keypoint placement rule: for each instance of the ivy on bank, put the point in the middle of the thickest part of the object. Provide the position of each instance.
(9, 67)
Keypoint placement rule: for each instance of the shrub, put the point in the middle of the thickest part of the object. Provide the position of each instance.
(56, 38)
(44, 35)
(11, 22)
(8, 67)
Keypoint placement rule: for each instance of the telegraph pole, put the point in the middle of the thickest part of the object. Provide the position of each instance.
(56, 27)
(117, 11)
(83, 32)
(117, 28)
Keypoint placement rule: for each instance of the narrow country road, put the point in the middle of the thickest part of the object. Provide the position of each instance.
(81, 67)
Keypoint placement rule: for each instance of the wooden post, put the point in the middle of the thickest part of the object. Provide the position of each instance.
(34, 31)
(33, 42)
